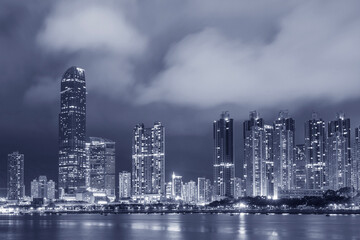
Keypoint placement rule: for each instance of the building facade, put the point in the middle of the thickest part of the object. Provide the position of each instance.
(255, 156)
(269, 132)
(201, 184)
(168, 190)
(177, 187)
(42, 188)
(148, 160)
(238, 191)
(300, 166)
(124, 185)
(190, 192)
(339, 153)
(15, 176)
(224, 164)
(72, 132)
(355, 173)
(315, 147)
(100, 175)
(283, 153)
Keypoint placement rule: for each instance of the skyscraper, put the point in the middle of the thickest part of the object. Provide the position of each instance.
(41, 188)
(315, 151)
(72, 132)
(255, 156)
(204, 190)
(224, 165)
(208, 190)
(190, 192)
(124, 185)
(339, 152)
(355, 173)
(100, 154)
(269, 132)
(15, 176)
(201, 190)
(177, 187)
(238, 190)
(51, 189)
(148, 160)
(300, 164)
(283, 152)
(168, 190)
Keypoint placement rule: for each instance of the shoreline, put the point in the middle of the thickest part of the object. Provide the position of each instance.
(186, 212)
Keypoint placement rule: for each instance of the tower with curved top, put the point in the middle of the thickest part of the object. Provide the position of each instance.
(72, 132)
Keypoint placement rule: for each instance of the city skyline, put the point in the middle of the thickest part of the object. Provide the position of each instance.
(339, 124)
(137, 76)
(181, 119)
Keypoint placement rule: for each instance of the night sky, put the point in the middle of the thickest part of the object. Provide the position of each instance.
(180, 62)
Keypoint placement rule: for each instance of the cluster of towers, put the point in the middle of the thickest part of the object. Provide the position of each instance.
(274, 166)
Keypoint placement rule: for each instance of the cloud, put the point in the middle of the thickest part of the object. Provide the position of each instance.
(44, 91)
(96, 36)
(312, 56)
(87, 25)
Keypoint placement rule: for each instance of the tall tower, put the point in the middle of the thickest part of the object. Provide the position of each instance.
(15, 176)
(283, 150)
(72, 132)
(224, 165)
(148, 160)
(355, 171)
(269, 132)
(255, 156)
(339, 152)
(315, 151)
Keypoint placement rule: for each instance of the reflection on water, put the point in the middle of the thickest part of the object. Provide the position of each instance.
(195, 226)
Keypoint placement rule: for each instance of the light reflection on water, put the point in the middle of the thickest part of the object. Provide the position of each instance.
(244, 227)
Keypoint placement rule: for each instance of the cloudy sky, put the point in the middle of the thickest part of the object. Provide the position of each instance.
(181, 62)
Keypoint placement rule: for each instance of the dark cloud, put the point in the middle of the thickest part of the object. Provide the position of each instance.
(179, 62)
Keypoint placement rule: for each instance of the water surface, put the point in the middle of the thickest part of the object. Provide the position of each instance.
(191, 227)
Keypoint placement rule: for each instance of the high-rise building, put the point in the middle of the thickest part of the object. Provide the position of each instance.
(208, 190)
(51, 189)
(190, 192)
(224, 164)
(201, 189)
(148, 160)
(339, 153)
(300, 164)
(355, 173)
(124, 185)
(177, 187)
(238, 187)
(255, 156)
(269, 132)
(41, 188)
(168, 190)
(315, 151)
(72, 132)
(100, 154)
(204, 190)
(15, 176)
(283, 153)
